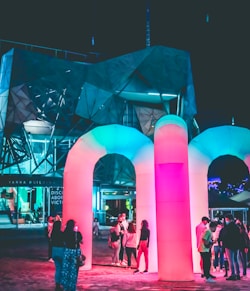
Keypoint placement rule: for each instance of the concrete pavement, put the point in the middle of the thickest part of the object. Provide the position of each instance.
(24, 267)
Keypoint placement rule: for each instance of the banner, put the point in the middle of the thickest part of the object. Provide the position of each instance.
(56, 200)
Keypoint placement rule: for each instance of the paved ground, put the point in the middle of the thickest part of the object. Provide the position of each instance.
(24, 267)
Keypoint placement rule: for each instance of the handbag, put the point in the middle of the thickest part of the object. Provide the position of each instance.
(80, 260)
(80, 257)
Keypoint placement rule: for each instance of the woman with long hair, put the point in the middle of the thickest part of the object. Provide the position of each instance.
(73, 239)
(129, 242)
(143, 246)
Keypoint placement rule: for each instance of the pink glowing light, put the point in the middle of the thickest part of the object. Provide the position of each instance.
(78, 180)
(172, 200)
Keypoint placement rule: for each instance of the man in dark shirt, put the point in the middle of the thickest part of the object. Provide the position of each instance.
(231, 242)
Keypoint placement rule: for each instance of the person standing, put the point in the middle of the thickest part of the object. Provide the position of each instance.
(129, 243)
(220, 242)
(115, 242)
(57, 242)
(50, 223)
(231, 242)
(199, 229)
(96, 226)
(123, 228)
(217, 249)
(204, 248)
(244, 246)
(143, 246)
(73, 239)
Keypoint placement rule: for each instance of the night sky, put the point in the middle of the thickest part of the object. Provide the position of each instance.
(214, 32)
(229, 169)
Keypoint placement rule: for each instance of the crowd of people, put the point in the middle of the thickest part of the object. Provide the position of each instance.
(224, 246)
(123, 241)
(64, 246)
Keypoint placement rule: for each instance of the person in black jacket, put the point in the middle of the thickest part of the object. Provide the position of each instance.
(57, 243)
(231, 242)
(244, 246)
(220, 242)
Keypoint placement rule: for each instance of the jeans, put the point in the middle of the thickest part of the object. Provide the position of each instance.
(121, 252)
(130, 252)
(232, 256)
(218, 257)
(57, 256)
(243, 260)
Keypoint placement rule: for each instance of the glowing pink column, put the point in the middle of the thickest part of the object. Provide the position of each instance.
(172, 200)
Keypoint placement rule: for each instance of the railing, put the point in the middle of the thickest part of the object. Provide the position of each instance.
(6, 45)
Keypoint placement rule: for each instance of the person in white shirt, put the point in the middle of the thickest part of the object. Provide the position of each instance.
(129, 243)
(217, 249)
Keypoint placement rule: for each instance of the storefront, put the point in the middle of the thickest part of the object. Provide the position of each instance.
(27, 199)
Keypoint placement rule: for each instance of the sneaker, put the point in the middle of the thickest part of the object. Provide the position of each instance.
(123, 263)
(237, 277)
(136, 271)
(145, 271)
(212, 276)
(210, 280)
(231, 278)
(117, 264)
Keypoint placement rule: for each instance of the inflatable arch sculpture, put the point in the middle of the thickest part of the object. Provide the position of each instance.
(202, 150)
(172, 200)
(78, 180)
(148, 161)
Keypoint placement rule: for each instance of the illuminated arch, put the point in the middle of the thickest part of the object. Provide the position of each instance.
(172, 200)
(202, 150)
(78, 180)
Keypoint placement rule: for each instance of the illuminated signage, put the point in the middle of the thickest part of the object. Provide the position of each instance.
(29, 181)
